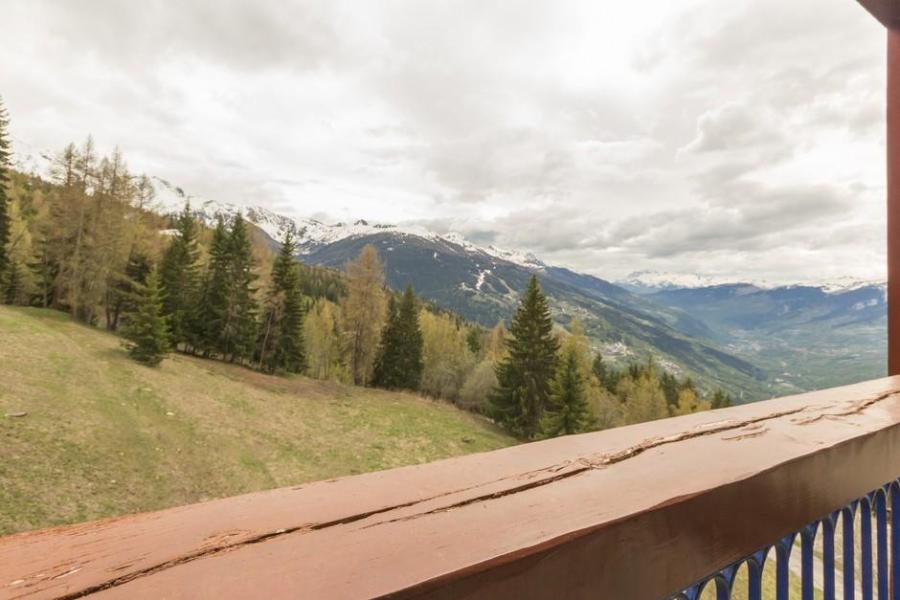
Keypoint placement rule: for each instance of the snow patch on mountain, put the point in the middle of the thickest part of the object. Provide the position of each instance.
(311, 233)
(848, 284)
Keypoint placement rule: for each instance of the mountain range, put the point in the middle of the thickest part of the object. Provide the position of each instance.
(753, 340)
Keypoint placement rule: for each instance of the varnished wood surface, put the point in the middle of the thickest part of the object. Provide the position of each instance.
(635, 512)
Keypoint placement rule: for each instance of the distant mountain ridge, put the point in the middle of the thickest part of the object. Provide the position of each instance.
(651, 282)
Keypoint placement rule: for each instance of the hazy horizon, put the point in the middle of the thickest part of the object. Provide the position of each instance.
(742, 142)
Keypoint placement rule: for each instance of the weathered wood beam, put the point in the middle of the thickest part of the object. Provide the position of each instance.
(893, 200)
(636, 512)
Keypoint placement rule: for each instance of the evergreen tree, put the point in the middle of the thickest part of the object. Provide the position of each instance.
(5, 156)
(209, 314)
(147, 332)
(226, 316)
(399, 364)
(567, 408)
(13, 291)
(239, 336)
(720, 400)
(524, 375)
(125, 289)
(671, 389)
(281, 344)
(178, 272)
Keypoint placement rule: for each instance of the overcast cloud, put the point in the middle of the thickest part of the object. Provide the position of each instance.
(741, 139)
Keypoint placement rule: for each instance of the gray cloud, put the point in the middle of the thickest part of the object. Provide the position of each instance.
(743, 136)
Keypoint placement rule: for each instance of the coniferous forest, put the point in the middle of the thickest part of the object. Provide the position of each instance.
(85, 243)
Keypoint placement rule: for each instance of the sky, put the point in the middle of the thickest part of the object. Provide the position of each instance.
(742, 140)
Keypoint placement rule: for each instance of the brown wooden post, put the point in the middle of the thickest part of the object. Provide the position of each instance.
(893, 200)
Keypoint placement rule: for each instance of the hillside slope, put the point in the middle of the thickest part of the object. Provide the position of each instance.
(486, 289)
(106, 436)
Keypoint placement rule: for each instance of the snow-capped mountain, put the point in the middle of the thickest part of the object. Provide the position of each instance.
(652, 282)
(311, 233)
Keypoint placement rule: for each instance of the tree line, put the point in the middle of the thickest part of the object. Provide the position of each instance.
(86, 243)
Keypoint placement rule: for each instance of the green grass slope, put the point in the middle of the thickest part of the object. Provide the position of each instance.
(106, 436)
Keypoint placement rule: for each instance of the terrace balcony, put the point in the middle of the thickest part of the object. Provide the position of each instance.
(796, 497)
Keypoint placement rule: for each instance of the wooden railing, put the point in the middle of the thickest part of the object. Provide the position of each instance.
(644, 511)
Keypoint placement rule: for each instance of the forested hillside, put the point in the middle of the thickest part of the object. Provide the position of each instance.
(86, 244)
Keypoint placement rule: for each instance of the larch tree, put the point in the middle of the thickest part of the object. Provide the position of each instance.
(322, 340)
(363, 310)
(146, 331)
(642, 396)
(524, 375)
(689, 402)
(447, 355)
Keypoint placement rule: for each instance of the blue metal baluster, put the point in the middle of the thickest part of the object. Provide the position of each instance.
(755, 567)
(881, 536)
(849, 566)
(724, 581)
(807, 539)
(895, 539)
(828, 556)
(693, 592)
(865, 546)
(782, 568)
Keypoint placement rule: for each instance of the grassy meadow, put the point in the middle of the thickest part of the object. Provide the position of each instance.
(106, 436)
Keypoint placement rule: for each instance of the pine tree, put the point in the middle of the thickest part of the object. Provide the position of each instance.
(398, 364)
(12, 284)
(209, 314)
(384, 372)
(239, 337)
(281, 344)
(178, 272)
(524, 375)
(147, 332)
(670, 387)
(5, 156)
(567, 408)
(720, 400)
(225, 321)
(125, 289)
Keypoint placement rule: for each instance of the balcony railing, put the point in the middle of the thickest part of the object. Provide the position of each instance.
(718, 502)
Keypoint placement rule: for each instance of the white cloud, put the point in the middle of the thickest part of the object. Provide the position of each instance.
(741, 137)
